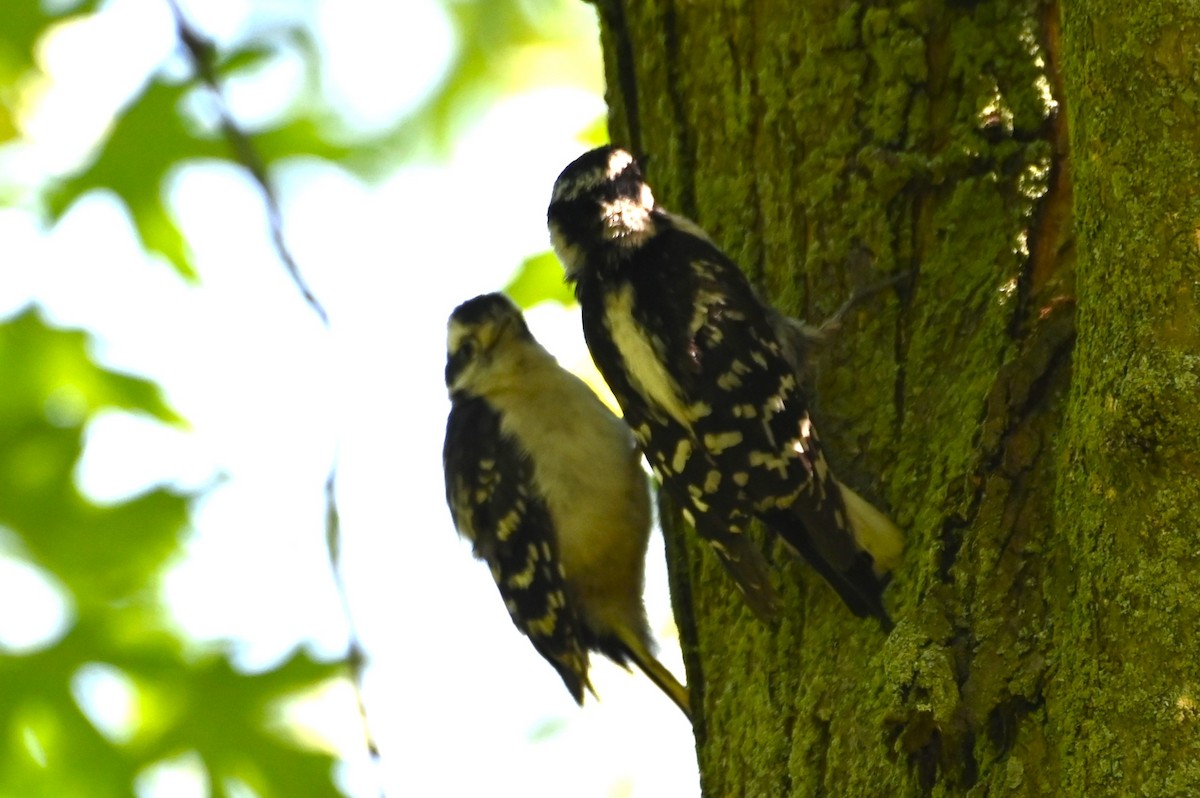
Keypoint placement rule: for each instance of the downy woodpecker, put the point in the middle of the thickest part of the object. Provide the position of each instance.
(547, 484)
(710, 379)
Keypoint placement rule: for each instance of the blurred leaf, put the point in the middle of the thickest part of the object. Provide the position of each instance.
(147, 141)
(49, 370)
(250, 56)
(151, 137)
(300, 136)
(22, 23)
(595, 134)
(504, 47)
(109, 560)
(488, 33)
(308, 130)
(540, 279)
(547, 730)
(226, 717)
(23, 26)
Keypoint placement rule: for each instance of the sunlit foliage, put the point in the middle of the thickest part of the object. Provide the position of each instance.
(105, 688)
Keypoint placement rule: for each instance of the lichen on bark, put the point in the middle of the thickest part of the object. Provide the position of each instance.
(1049, 496)
(1130, 507)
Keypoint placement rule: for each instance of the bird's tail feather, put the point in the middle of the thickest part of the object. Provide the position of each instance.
(873, 531)
(636, 651)
(572, 666)
(744, 561)
(854, 551)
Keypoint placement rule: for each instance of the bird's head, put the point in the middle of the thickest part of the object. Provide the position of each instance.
(600, 204)
(478, 332)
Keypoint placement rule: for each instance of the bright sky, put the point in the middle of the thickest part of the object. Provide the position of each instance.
(460, 703)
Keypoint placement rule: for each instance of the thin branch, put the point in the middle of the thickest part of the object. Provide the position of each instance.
(356, 657)
(201, 54)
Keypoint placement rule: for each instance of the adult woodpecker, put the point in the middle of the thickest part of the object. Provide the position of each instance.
(711, 380)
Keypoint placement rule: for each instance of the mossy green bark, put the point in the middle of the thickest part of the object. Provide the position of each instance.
(1124, 703)
(1048, 609)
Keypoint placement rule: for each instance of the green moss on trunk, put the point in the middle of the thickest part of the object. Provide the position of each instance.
(1048, 604)
(1125, 703)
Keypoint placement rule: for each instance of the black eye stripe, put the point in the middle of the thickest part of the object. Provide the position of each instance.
(459, 359)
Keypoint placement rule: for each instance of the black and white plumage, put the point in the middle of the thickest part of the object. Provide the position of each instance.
(546, 482)
(711, 380)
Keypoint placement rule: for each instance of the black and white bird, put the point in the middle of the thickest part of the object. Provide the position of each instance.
(711, 380)
(547, 484)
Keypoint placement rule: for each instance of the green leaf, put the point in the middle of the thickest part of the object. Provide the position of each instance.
(152, 137)
(25, 21)
(246, 58)
(109, 561)
(595, 134)
(48, 372)
(51, 388)
(540, 279)
(504, 47)
(226, 716)
(22, 24)
(304, 135)
(148, 140)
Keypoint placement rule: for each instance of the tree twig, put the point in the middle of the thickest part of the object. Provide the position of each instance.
(201, 54)
(356, 657)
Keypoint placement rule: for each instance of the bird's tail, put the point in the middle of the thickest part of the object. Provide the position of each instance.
(572, 665)
(635, 649)
(854, 550)
(873, 531)
(744, 561)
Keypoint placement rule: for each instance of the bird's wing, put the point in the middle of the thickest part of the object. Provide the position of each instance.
(495, 504)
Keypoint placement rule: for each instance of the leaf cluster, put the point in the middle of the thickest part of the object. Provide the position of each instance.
(106, 562)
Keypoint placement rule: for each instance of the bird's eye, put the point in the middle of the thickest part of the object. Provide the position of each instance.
(467, 349)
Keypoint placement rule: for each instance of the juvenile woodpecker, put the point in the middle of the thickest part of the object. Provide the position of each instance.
(711, 380)
(547, 484)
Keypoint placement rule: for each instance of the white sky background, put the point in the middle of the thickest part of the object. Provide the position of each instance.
(456, 695)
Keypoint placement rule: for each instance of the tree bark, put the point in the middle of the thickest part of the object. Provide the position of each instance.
(1129, 498)
(1049, 604)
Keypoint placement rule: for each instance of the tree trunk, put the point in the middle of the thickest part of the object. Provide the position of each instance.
(1029, 418)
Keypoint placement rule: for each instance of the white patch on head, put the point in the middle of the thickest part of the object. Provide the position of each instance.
(642, 360)
(617, 161)
(646, 197)
(569, 187)
(627, 221)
